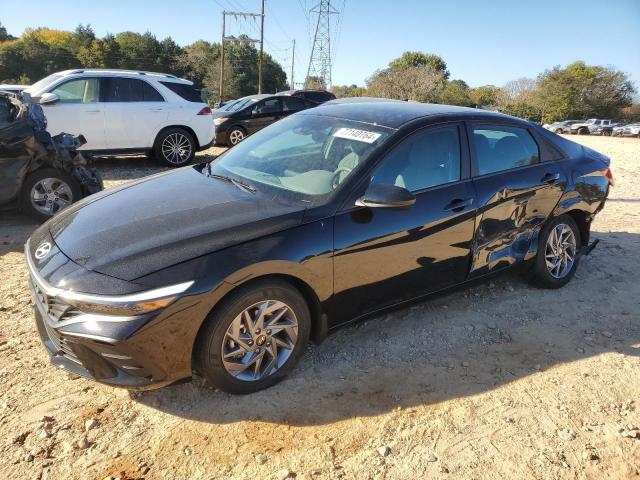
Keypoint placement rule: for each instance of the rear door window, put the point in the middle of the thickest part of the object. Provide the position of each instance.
(501, 148)
(293, 104)
(129, 90)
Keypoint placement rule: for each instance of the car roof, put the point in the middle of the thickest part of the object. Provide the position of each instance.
(126, 73)
(395, 113)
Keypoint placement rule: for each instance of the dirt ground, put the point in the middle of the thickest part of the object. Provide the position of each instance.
(499, 381)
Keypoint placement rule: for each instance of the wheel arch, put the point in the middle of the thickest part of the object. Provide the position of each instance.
(581, 219)
(319, 325)
(184, 127)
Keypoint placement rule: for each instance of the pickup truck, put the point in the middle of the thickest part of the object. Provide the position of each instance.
(590, 126)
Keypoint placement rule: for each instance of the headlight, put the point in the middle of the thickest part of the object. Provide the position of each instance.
(219, 120)
(133, 304)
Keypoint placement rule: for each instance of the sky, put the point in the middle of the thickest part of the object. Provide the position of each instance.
(483, 42)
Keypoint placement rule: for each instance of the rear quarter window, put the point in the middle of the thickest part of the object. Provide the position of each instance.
(186, 92)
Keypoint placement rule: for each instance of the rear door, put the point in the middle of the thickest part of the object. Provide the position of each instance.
(134, 112)
(293, 104)
(516, 193)
(387, 255)
(78, 111)
(264, 113)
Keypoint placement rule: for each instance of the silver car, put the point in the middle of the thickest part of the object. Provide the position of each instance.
(561, 127)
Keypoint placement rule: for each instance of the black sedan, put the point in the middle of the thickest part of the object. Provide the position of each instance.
(240, 118)
(336, 213)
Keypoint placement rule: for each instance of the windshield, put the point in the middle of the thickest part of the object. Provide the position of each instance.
(239, 104)
(307, 155)
(41, 84)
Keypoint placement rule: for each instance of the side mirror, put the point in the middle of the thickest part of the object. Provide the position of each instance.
(49, 98)
(386, 196)
(255, 111)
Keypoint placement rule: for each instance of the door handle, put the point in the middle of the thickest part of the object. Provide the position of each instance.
(93, 111)
(458, 204)
(550, 178)
(155, 109)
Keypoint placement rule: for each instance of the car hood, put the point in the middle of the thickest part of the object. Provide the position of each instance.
(163, 220)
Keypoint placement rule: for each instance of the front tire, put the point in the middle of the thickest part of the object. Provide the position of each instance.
(558, 253)
(235, 136)
(47, 191)
(175, 147)
(254, 338)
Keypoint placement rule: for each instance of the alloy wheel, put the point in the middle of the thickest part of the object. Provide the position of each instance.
(259, 340)
(236, 136)
(560, 251)
(50, 195)
(176, 148)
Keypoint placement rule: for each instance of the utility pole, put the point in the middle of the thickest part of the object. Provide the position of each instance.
(222, 60)
(261, 48)
(242, 15)
(293, 62)
(320, 61)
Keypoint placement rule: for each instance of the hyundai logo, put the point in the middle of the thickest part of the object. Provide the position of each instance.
(43, 250)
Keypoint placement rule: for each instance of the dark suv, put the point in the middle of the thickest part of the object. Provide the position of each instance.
(240, 118)
(318, 96)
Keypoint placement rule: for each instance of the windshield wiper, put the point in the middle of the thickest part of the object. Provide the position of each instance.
(242, 186)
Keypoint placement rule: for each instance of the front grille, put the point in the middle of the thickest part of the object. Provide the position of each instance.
(60, 342)
(56, 309)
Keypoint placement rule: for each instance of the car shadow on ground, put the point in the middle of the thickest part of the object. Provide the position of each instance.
(459, 345)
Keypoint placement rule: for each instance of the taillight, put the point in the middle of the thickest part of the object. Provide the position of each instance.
(205, 111)
(607, 173)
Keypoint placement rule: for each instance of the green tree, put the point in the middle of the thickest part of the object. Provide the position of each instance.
(485, 96)
(580, 90)
(420, 83)
(343, 91)
(456, 92)
(315, 83)
(417, 59)
(3, 33)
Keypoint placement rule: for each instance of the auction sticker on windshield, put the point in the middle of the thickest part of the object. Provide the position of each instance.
(355, 134)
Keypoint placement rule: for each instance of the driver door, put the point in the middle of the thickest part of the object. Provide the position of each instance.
(264, 114)
(387, 255)
(78, 111)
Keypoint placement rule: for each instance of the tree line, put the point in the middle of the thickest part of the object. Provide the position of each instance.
(42, 51)
(576, 91)
(573, 92)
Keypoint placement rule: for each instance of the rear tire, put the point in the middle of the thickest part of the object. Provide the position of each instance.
(550, 253)
(558, 131)
(583, 131)
(174, 147)
(48, 191)
(221, 360)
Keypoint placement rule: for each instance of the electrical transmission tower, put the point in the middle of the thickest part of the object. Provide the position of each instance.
(320, 61)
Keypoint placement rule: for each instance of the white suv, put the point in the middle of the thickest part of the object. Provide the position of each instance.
(127, 112)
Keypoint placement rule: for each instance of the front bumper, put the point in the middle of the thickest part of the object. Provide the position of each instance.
(138, 352)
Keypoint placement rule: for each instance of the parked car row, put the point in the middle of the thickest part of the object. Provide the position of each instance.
(595, 126)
